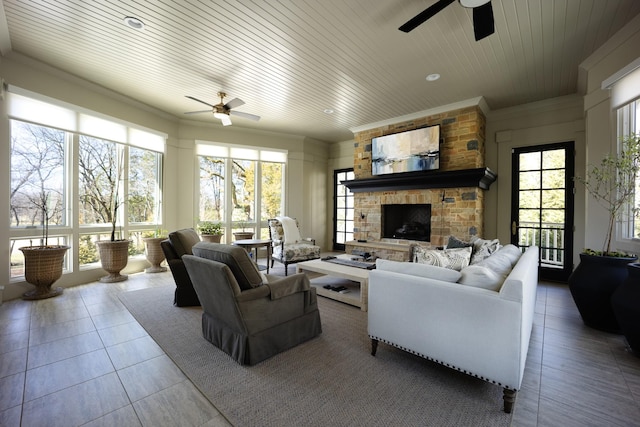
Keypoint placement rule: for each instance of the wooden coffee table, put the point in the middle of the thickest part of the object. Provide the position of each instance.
(334, 275)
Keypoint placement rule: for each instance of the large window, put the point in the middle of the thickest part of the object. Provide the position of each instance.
(76, 173)
(37, 175)
(629, 124)
(240, 187)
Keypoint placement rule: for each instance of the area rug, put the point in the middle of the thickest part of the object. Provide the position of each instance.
(331, 380)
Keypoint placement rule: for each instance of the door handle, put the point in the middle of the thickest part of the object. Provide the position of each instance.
(514, 228)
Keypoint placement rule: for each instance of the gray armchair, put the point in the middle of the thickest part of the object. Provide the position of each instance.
(244, 317)
(175, 247)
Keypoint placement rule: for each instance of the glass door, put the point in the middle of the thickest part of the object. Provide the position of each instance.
(542, 205)
(343, 209)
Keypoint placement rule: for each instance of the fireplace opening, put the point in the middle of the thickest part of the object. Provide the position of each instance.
(410, 222)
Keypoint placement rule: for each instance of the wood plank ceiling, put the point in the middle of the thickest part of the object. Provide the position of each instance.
(291, 60)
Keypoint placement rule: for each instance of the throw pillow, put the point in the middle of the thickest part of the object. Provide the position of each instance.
(454, 242)
(483, 248)
(419, 270)
(455, 259)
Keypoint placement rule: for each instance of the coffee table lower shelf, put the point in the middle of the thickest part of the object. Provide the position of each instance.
(356, 280)
(352, 297)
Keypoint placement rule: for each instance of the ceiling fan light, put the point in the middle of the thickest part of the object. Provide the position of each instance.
(224, 118)
(473, 3)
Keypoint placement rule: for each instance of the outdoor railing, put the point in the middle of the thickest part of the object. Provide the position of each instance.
(549, 236)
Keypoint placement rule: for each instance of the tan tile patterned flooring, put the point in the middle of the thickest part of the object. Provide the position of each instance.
(82, 359)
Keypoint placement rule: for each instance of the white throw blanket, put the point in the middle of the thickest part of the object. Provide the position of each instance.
(290, 228)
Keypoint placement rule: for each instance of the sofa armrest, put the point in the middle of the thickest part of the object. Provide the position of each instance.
(289, 285)
(277, 289)
(253, 294)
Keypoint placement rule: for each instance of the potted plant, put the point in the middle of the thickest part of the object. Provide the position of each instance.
(612, 183)
(153, 250)
(114, 253)
(43, 263)
(243, 234)
(210, 231)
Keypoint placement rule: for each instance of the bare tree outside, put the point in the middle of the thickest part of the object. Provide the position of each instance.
(211, 188)
(143, 186)
(98, 176)
(37, 174)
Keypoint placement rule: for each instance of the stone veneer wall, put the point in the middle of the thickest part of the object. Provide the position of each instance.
(454, 211)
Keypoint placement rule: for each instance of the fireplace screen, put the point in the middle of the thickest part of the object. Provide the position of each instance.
(411, 222)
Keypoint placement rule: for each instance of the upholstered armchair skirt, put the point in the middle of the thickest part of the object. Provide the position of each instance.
(244, 317)
(290, 252)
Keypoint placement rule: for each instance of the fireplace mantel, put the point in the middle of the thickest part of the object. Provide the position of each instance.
(480, 177)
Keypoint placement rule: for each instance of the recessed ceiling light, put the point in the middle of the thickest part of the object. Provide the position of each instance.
(328, 111)
(134, 23)
(433, 77)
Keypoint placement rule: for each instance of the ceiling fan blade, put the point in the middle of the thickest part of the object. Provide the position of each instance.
(483, 25)
(245, 115)
(199, 111)
(424, 15)
(226, 120)
(234, 103)
(196, 99)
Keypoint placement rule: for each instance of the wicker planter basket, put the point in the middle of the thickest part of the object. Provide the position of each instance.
(154, 254)
(42, 267)
(113, 257)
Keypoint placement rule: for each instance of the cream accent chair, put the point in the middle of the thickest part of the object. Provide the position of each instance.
(289, 250)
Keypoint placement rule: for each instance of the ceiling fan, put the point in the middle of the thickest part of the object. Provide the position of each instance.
(222, 111)
(482, 16)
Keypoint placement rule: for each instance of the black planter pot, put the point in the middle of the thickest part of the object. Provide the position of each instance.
(593, 283)
(626, 306)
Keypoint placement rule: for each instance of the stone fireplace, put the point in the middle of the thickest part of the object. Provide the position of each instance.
(456, 202)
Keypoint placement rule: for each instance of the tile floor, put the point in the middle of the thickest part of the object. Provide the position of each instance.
(82, 359)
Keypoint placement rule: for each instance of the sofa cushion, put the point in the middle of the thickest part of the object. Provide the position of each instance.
(483, 248)
(455, 259)
(481, 277)
(511, 252)
(420, 270)
(492, 271)
(237, 259)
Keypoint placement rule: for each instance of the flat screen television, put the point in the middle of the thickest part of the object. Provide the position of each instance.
(414, 150)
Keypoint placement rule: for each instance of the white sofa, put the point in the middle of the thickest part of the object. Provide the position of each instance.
(481, 332)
